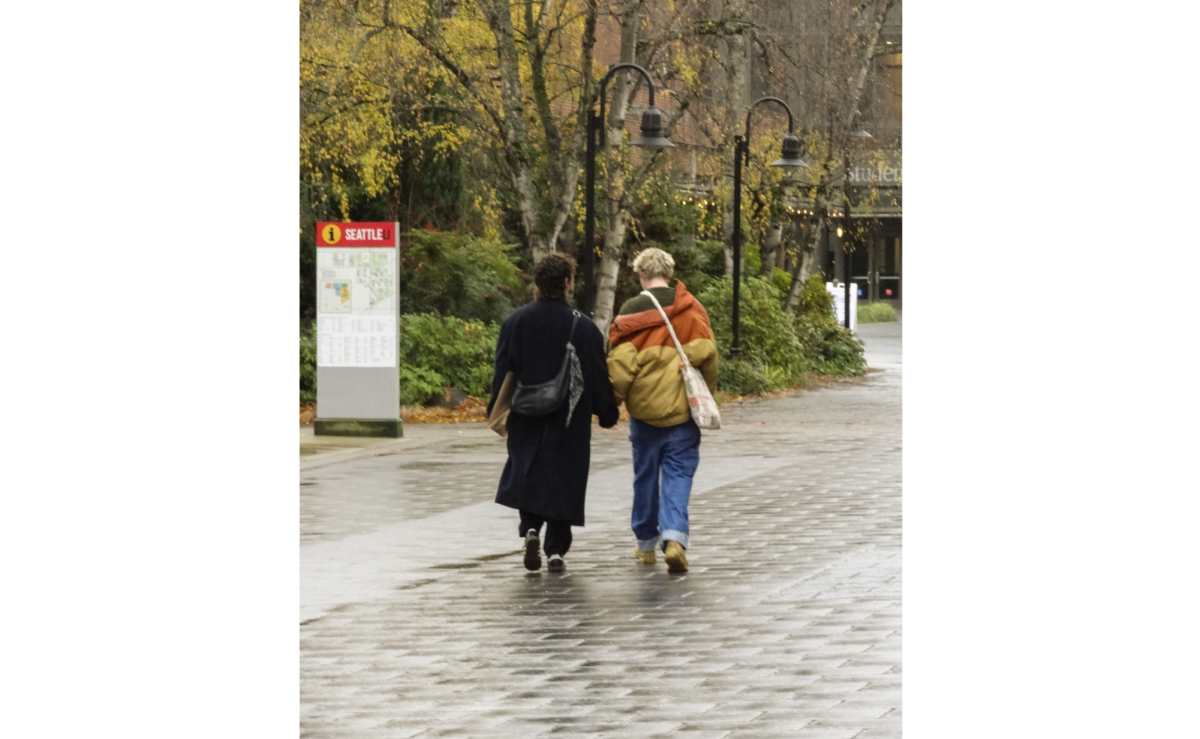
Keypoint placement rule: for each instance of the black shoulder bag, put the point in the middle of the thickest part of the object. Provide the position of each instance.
(546, 397)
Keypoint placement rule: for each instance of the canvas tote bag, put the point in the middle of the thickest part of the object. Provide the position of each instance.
(498, 420)
(700, 400)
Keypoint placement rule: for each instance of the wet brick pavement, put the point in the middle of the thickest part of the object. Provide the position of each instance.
(418, 620)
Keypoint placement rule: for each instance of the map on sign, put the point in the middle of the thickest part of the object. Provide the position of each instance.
(335, 296)
(371, 271)
(356, 307)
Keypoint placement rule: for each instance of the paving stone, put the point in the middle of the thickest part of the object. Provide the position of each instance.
(418, 619)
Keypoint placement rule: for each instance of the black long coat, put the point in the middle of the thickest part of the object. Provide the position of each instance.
(547, 469)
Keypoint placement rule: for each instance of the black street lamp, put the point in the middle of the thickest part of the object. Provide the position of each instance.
(847, 224)
(651, 138)
(847, 219)
(741, 150)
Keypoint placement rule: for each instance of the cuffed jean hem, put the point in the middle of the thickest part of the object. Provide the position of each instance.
(647, 545)
(673, 535)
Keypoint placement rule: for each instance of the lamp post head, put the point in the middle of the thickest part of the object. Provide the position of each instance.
(652, 130)
(791, 154)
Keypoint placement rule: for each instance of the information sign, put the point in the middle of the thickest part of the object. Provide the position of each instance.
(357, 282)
(358, 312)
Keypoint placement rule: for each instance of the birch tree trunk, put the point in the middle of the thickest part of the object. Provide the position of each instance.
(543, 224)
(864, 61)
(804, 263)
(499, 16)
(563, 160)
(616, 213)
(770, 248)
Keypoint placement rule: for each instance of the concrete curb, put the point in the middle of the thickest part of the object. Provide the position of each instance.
(362, 448)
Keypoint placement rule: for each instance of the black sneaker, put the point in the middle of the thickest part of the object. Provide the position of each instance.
(533, 560)
(556, 563)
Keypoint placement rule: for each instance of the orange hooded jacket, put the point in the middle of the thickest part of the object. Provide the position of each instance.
(643, 363)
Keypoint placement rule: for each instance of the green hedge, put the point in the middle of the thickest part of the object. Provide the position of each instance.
(829, 348)
(308, 366)
(777, 350)
(460, 275)
(772, 355)
(437, 352)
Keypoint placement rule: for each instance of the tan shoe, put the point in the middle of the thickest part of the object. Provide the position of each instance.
(676, 558)
(646, 558)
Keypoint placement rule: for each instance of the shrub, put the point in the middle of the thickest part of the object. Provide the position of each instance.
(747, 376)
(308, 366)
(876, 313)
(815, 300)
(830, 348)
(444, 351)
(772, 355)
(842, 354)
(712, 258)
(782, 280)
(460, 275)
(751, 259)
(419, 384)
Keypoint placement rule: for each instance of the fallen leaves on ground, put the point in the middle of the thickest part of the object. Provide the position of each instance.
(471, 410)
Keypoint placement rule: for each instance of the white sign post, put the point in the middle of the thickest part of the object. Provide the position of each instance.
(838, 291)
(358, 313)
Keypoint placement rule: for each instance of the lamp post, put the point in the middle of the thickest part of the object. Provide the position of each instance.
(846, 241)
(846, 218)
(651, 138)
(741, 150)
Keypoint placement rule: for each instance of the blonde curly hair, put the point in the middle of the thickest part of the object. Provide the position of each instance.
(654, 263)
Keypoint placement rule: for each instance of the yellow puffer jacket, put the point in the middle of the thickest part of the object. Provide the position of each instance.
(644, 365)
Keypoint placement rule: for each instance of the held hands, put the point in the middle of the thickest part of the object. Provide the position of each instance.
(615, 416)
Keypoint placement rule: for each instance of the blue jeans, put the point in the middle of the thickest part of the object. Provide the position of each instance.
(672, 453)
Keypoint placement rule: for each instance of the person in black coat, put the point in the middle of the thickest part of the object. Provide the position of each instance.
(546, 475)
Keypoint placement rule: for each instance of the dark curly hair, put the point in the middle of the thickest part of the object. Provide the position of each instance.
(551, 273)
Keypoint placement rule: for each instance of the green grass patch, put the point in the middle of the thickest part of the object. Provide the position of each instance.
(876, 313)
(308, 364)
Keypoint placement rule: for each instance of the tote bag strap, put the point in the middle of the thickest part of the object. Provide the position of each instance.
(670, 328)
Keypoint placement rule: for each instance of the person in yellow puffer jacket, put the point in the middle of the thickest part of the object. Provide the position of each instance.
(643, 365)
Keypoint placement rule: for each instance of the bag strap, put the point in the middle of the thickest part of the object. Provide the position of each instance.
(574, 321)
(670, 328)
(570, 335)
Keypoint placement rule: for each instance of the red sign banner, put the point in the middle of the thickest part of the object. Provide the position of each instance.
(356, 234)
